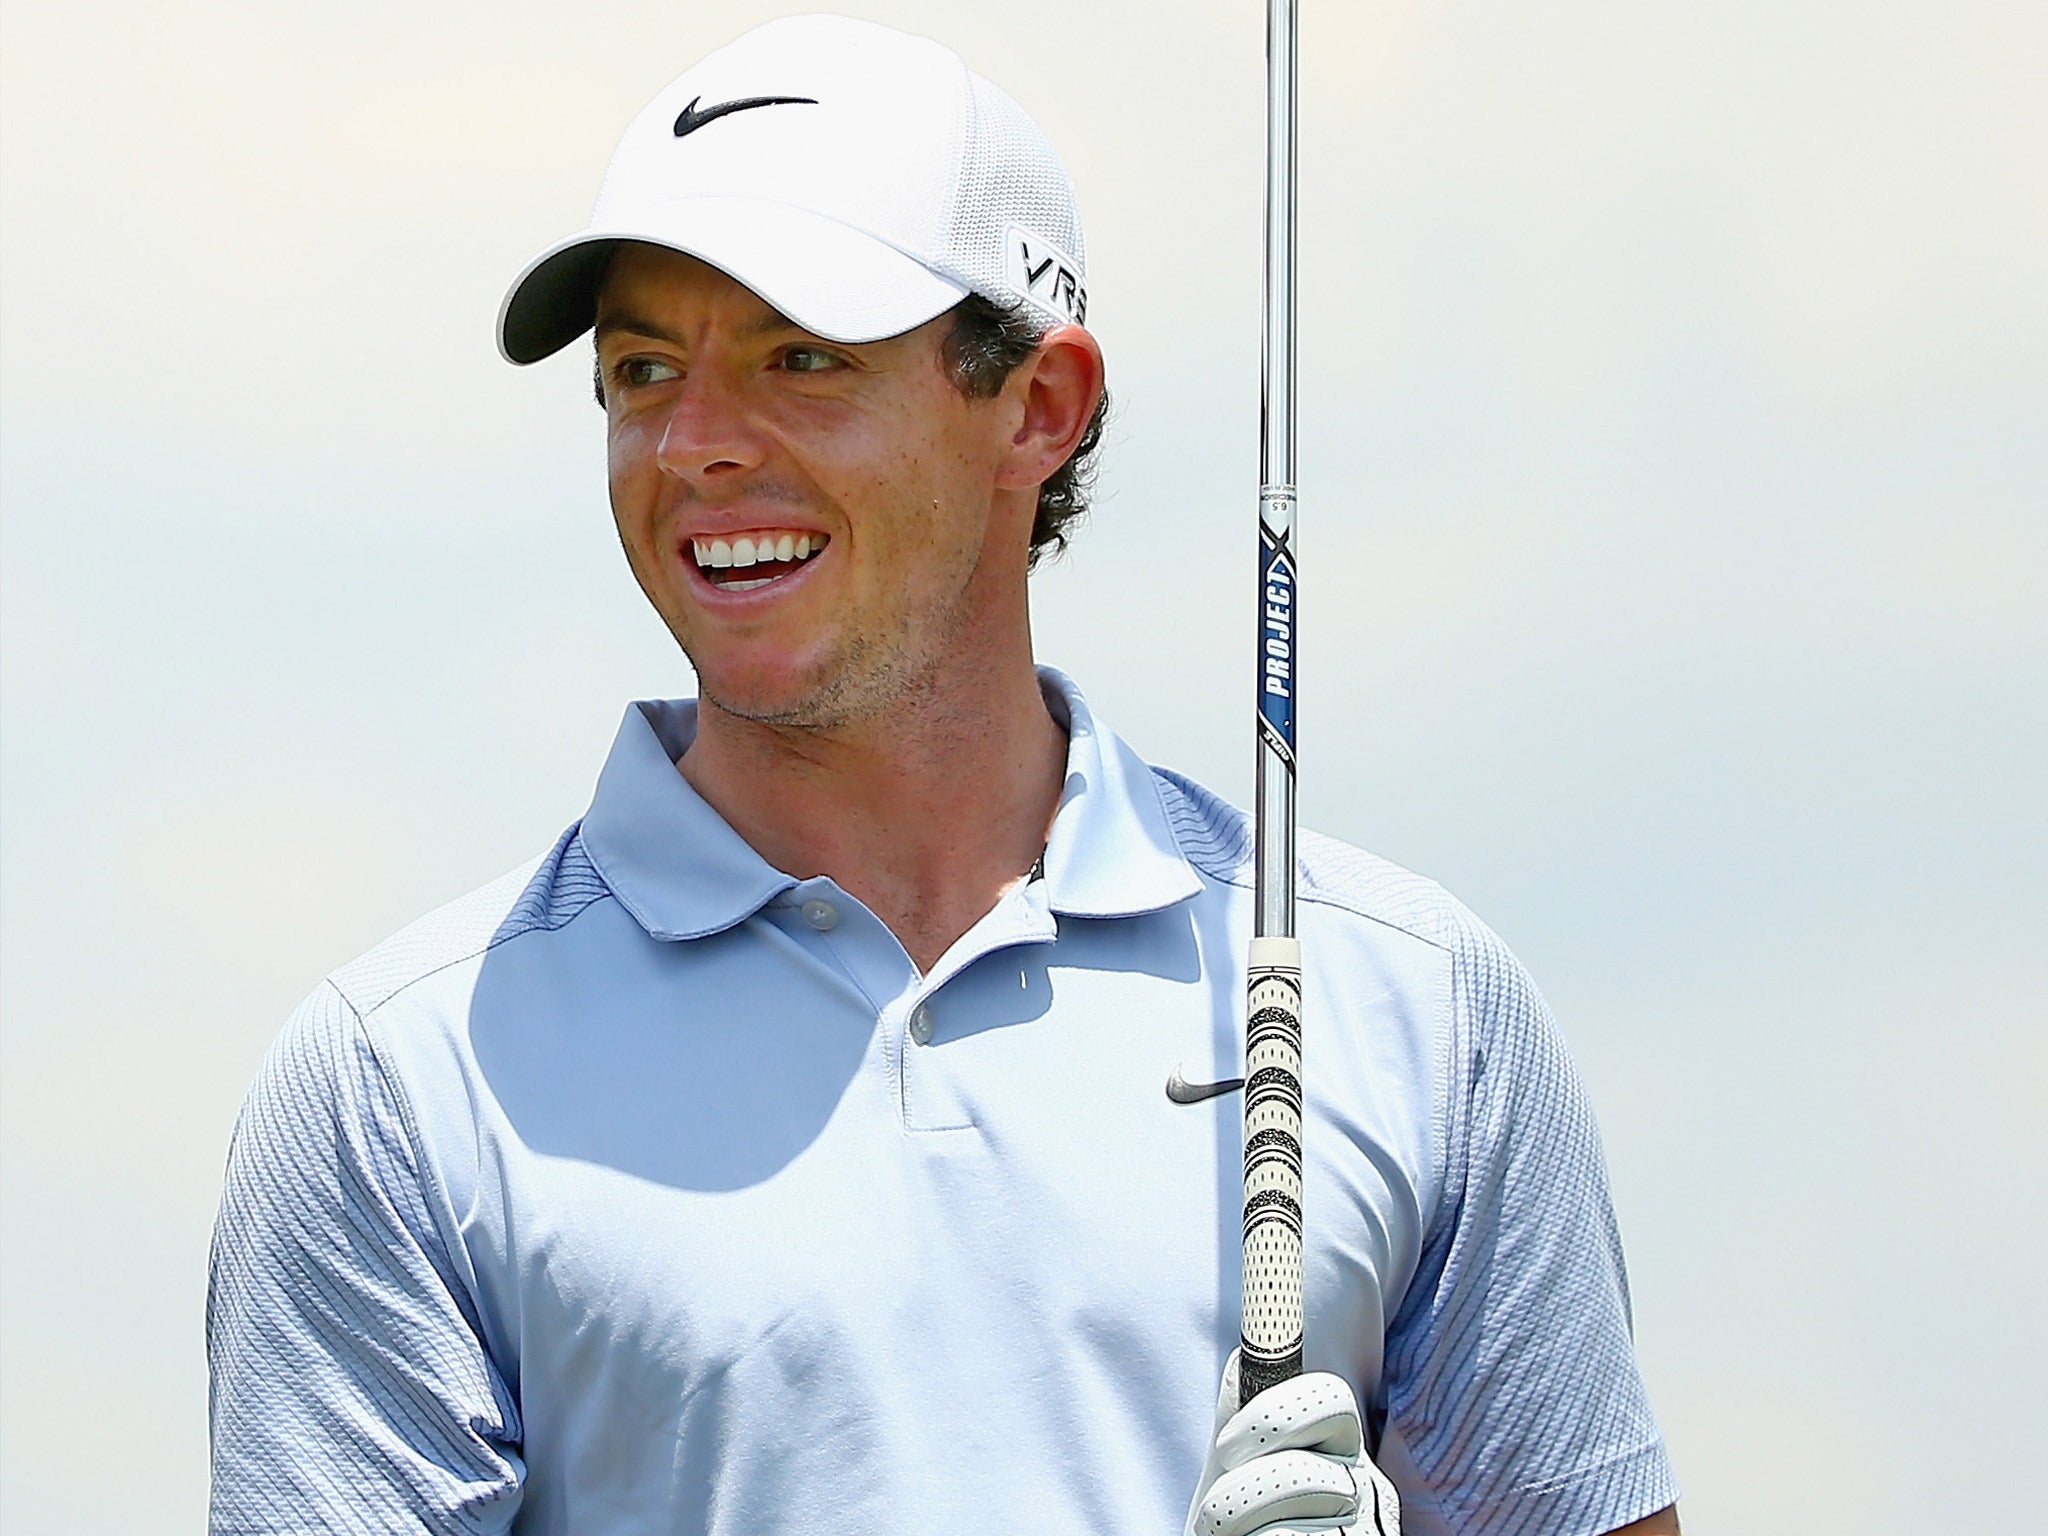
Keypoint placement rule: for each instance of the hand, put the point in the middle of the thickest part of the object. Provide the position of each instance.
(1291, 1461)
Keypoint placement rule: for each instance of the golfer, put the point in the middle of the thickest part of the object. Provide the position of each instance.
(835, 1133)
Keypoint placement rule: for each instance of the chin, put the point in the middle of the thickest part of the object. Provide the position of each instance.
(818, 697)
(785, 700)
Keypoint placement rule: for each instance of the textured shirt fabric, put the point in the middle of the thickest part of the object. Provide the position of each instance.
(652, 1190)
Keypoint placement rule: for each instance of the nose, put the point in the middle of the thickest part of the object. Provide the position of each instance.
(707, 437)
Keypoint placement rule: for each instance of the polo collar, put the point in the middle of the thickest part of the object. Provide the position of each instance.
(1112, 852)
(672, 861)
(683, 873)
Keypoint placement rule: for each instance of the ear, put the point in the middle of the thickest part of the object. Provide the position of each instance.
(1059, 386)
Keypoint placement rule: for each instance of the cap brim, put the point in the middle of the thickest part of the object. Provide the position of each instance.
(833, 280)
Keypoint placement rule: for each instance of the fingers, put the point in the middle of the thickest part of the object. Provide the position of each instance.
(1288, 1485)
(1291, 1462)
(1313, 1412)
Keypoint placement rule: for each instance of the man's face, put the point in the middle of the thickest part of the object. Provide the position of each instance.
(819, 524)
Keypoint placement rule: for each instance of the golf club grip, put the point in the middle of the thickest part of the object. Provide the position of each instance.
(1270, 1345)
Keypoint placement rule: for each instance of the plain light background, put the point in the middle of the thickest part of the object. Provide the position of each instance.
(1673, 484)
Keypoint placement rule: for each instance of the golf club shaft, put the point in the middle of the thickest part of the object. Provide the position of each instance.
(1271, 1332)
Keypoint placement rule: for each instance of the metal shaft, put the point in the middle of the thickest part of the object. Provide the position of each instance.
(1277, 607)
(1272, 1323)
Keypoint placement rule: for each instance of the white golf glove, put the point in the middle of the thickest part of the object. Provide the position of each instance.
(1289, 1462)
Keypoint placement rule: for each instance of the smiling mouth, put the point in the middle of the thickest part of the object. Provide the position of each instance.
(756, 559)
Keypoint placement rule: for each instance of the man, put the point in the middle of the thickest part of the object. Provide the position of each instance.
(786, 1150)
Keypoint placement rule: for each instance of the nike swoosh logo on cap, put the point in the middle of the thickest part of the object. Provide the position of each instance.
(1181, 1091)
(689, 120)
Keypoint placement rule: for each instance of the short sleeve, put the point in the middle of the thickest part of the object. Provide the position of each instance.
(1514, 1405)
(351, 1390)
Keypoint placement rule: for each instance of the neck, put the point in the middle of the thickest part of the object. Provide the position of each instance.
(928, 812)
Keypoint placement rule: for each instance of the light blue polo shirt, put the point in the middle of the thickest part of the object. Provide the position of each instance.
(652, 1190)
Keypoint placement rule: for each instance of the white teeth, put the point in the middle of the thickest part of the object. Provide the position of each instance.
(753, 549)
(748, 585)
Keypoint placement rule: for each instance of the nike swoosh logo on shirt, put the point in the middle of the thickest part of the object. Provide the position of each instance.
(1181, 1091)
(690, 119)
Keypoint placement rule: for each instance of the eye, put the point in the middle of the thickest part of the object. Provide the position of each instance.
(648, 370)
(805, 359)
(633, 372)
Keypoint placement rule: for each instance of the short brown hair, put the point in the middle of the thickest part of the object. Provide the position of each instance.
(987, 343)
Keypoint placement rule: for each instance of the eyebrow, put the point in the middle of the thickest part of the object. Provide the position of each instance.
(766, 324)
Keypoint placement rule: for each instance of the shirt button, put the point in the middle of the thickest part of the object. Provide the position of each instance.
(821, 915)
(921, 1025)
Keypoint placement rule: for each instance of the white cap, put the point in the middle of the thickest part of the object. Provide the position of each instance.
(858, 179)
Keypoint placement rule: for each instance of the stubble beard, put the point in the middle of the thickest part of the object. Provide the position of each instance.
(862, 681)
(844, 696)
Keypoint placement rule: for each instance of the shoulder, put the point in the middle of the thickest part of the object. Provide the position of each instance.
(1494, 993)
(540, 896)
(1217, 838)
(378, 1042)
